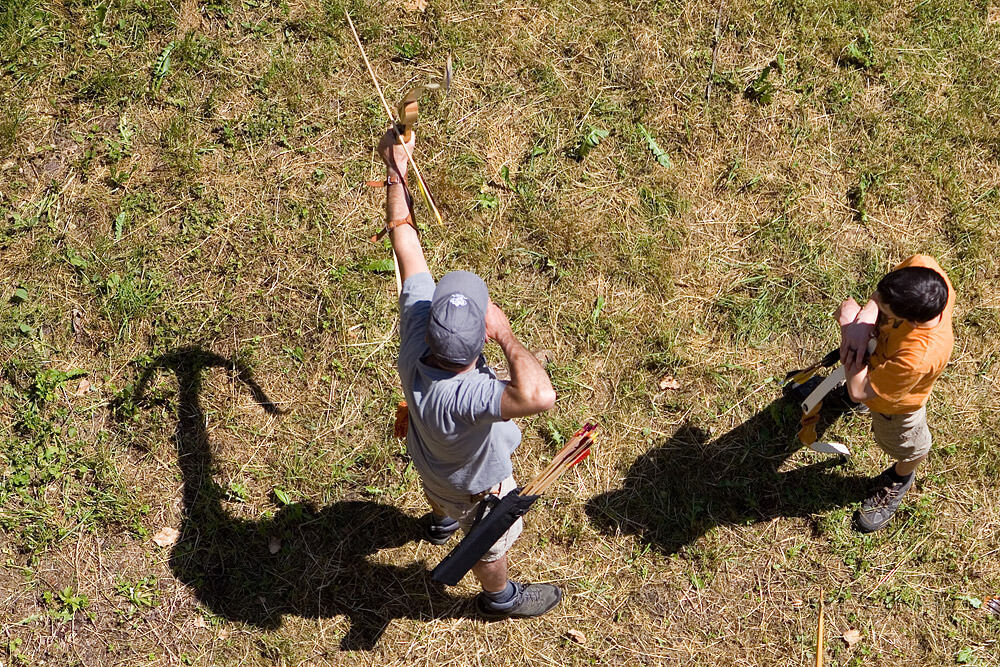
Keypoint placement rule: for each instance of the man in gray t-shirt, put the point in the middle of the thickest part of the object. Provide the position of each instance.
(460, 436)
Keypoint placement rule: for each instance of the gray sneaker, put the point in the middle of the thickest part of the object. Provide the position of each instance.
(878, 508)
(529, 600)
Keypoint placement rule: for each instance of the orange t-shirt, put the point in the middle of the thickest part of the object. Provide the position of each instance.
(907, 359)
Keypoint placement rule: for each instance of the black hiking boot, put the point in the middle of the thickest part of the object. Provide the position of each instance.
(529, 600)
(878, 508)
(439, 532)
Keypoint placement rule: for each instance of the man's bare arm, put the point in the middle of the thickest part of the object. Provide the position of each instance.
(405, 241)
(529, 390)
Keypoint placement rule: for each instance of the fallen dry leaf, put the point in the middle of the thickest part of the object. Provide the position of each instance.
(223, 634)
(669, 382)
(797, 602)
(274, 545)
(415, 5)
(576, 636)
(166, 537)
(83, 387)
(851, 637)
(77, 321)
(200, 622)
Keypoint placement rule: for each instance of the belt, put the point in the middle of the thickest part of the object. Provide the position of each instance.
(477, 497)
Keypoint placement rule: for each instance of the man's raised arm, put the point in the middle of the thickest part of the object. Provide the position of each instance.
(402, 231)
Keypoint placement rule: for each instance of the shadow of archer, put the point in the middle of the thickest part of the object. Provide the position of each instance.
(322, 568)
(682, 488)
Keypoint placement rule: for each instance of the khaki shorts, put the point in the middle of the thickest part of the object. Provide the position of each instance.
(904, 437)
(463, 508)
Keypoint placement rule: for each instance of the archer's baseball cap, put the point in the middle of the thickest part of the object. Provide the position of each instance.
(456, 331)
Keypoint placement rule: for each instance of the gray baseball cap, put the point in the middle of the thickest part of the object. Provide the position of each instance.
(456, 331)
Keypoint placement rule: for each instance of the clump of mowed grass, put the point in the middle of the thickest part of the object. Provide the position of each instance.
(196, 333)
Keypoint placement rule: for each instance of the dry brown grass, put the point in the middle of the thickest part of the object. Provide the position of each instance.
(691, 536)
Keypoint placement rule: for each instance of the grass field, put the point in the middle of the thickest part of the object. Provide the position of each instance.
(195, 332)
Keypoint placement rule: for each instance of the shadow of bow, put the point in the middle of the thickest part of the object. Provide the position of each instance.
(690, 483)
(322, 568)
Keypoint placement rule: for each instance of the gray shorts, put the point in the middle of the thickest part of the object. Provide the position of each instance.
(463, 508)
(904, 437)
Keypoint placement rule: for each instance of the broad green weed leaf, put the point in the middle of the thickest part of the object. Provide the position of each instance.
(380, 266)
(120, 225)
(590, 141)
(761, 90)
(861, 52)
(661, 155)
(974, 602)
(76, 259)
(161, 67)
(598, 307)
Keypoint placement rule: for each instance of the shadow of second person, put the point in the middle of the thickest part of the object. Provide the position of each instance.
(691, 482)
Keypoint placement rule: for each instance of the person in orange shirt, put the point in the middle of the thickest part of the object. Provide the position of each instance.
(910, 317)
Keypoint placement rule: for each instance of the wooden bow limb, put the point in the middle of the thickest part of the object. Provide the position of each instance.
(407, 115)
(820, 640)
(813, 403)
(829, 383)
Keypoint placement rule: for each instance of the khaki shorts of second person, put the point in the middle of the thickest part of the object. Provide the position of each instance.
(463, 508)
(904, 437)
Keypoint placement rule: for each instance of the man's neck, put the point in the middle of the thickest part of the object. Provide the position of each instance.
(433, 361)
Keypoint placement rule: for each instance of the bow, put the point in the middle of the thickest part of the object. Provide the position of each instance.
(813, 403)
(402, 123)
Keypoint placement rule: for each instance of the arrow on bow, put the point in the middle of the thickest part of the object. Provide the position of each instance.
(402, 123)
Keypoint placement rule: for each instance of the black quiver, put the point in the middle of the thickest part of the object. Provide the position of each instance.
(487, 529)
